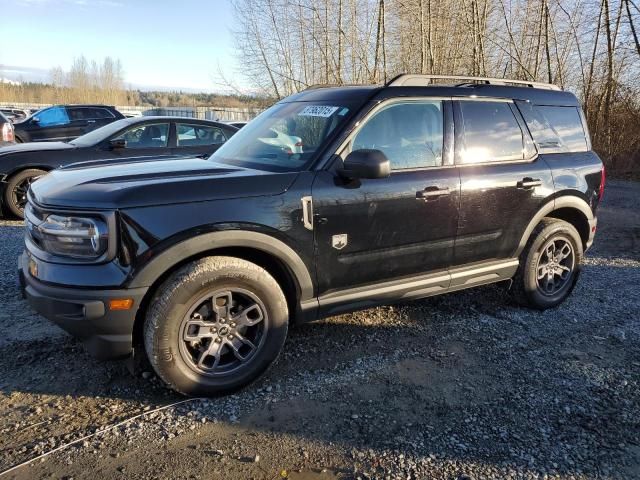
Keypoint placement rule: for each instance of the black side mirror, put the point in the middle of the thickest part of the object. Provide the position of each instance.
(366, 163)
(35, 120)
(117, 143)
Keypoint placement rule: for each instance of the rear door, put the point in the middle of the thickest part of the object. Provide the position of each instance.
(80, 118)
(198, 139)
(98, 117)
(503, 180)
(376, 230)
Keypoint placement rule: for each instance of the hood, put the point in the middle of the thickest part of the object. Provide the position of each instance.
(152, 183)
(35, 147)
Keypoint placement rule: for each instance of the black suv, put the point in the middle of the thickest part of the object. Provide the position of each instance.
(64, 122)
(332, 200)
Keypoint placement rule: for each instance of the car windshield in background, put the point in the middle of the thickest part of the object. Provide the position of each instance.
(99, 134)
(284, 138)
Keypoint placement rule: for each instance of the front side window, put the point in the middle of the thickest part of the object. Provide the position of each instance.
(53, 116)
(197, 135)
(284, 138)
(155, 135)
(491, 133)
(410, 134)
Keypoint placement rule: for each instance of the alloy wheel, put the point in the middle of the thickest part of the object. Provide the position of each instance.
(223, 331)
(555, 266)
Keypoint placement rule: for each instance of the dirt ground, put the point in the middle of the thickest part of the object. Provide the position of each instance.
(463, 386)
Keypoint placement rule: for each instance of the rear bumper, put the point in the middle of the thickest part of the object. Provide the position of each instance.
(84, 313)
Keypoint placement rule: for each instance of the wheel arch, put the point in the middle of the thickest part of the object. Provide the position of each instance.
(569, 208)
(22, 168)
(280, 260)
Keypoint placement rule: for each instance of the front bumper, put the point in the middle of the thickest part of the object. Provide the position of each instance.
(84, 313)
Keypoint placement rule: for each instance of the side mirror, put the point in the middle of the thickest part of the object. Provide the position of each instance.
(35, 120)
(118, 143)
(366, 163)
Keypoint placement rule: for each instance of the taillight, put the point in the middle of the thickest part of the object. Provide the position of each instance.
(603, 178)
(7, 132)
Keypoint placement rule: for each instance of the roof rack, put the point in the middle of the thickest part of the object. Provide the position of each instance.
(416, 80)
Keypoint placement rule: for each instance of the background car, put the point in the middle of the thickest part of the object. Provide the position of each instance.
(6, 131)
(156, 137)
(64, 122)
(15, 114)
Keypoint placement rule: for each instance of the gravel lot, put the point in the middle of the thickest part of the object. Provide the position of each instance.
(463, 386)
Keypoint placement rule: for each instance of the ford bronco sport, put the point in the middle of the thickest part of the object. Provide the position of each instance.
(332, 200)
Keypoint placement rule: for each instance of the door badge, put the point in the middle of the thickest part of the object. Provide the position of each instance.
(339, 241)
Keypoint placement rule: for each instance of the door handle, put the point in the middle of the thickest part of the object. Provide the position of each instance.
(528, 183)
(432, 193)
(91, 121)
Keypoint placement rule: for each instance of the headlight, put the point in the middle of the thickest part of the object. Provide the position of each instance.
(76, 237)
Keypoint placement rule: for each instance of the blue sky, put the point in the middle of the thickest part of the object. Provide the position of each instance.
(169, 44)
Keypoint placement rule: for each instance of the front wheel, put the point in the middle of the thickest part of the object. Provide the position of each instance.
(215, 325)
(15, 195)
(549, 265)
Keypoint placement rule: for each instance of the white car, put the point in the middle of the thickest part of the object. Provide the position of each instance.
(288, 143)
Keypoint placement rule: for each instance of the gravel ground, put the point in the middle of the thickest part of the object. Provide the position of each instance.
(463, 386)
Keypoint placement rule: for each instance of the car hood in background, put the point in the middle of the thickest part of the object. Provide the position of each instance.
(151, 183)
(35, 147)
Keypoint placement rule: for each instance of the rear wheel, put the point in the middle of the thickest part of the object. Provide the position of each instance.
(215, 325)
(15, 195)
(549, 265)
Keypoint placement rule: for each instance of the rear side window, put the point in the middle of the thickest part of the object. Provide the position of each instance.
(491, 133)
(197, 135)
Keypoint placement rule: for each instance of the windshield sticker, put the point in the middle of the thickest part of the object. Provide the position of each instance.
(318, 111)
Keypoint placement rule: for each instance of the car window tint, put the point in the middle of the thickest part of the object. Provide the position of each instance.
(567, 125)
(155, 135)
(410, 134)
(52, 117)
(190, 135)
(491, 133)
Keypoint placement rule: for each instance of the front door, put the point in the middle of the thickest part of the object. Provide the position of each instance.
(49, 125)
(142, 140)
(378, 230)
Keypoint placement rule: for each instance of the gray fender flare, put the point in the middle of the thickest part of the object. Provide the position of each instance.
(228, 238)
(569, 201)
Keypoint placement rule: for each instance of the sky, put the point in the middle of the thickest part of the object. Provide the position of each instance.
(162, 44)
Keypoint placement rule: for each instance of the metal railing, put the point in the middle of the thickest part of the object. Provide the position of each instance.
(208, 113)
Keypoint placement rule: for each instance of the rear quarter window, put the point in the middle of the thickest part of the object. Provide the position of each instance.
(555, 129)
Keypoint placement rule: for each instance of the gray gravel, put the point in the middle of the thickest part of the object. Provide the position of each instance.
(463, 386)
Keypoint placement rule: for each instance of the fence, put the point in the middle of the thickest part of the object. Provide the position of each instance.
(208, 113)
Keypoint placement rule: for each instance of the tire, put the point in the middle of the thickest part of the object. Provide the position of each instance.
(15, 194)
(559, 236)
(178, 330)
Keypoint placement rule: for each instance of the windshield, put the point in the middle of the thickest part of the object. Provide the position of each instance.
(99, 134)
(285, 137)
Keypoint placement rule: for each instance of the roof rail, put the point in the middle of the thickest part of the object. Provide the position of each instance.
(416, 80)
